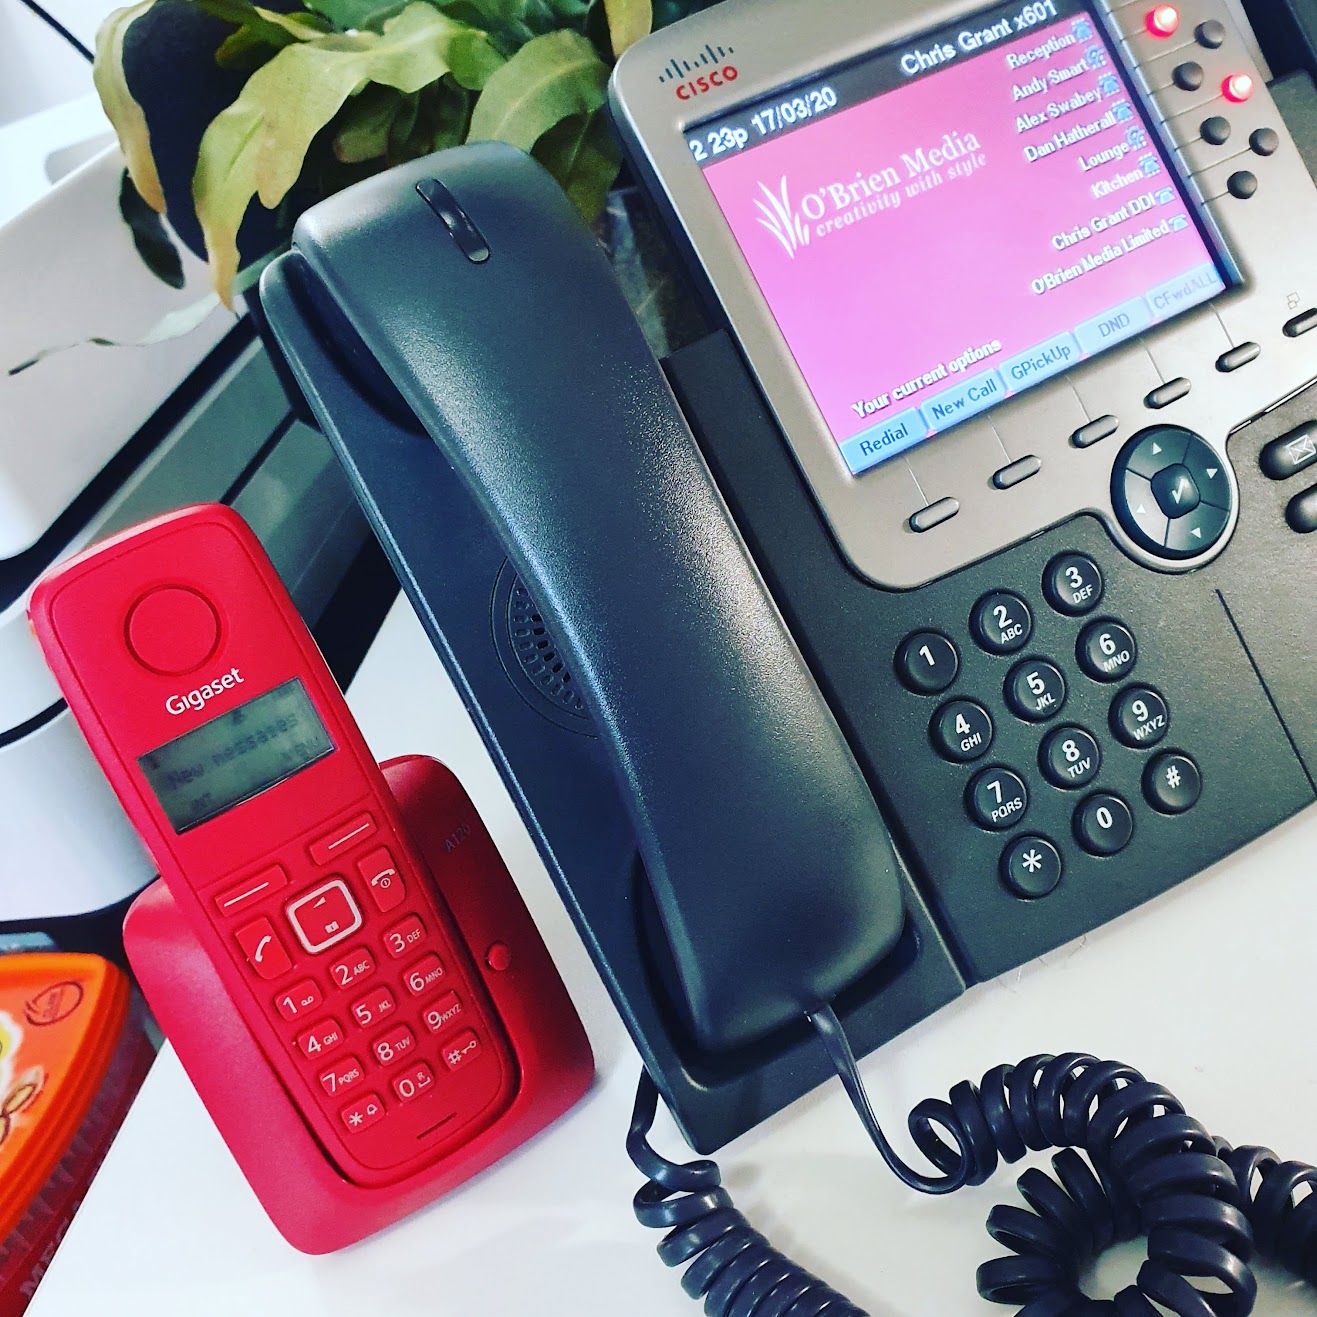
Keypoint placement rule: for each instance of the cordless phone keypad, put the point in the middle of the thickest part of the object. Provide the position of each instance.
(1034, 687)
(366, 993)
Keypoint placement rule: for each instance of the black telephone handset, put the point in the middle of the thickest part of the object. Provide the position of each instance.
(491, 309)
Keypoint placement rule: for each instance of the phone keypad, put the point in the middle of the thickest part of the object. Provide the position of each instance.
(376, 1006)
(1069, 758)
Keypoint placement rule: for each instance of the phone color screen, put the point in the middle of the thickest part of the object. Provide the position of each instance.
(945, 223)
(237, 755)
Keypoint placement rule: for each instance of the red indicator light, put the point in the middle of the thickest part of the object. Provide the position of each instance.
(1237, 87)
(1163, 20)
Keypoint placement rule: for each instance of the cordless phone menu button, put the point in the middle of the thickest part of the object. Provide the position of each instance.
(997, 799)
(251, 890)
(1172, 783)
(1073, 584)
(299, 999)
(927, 662)
(961, 731)
(458, 1051)
(352, 968)
(173, 630)
(413, 1083)
(362, 1113)
(325, 916)
(1106, 651)
(264, 952)
(1069, 757)
(439, 1015)
(424, 975)
(373, 1007)
(391, 1046)
(345, 1074)
(345, 837)
(382, 879)
(1001, 622)
(320, 1038)
(1031, 866)
(404, 936)
(1103, 824)
(1035, 690)
(1139, 717)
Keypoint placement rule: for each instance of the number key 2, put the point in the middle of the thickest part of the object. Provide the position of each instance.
(356, 965)
(403, 936)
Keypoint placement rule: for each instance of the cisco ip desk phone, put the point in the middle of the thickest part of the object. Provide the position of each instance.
(945, 602)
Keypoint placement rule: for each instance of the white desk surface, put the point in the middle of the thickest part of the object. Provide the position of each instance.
(1207, 989)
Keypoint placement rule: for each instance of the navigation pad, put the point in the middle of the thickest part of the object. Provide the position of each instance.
(1171, 492)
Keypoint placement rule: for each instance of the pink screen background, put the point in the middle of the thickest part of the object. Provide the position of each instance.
(872, 306)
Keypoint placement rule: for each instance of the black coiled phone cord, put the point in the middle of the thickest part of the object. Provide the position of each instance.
(1205, 1207)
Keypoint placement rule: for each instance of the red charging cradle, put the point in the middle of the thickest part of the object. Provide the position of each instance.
(310, 1203)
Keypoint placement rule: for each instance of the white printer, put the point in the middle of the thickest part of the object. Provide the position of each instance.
(96, 438)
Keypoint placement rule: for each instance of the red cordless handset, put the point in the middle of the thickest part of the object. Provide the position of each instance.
(230, 745)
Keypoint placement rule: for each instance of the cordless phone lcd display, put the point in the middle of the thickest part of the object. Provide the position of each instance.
(944, 223)
(237, 755)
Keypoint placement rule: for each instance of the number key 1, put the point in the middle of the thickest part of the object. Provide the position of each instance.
(927, 662)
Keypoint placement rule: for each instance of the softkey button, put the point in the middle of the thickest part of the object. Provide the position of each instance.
(1031, 866)
(1301, 512)
(1010, 476)
(1106, 651)
(1294, 451)
(1101, 428)
(961, 731)
(1069, 757)
(935, 514)
(1035, 690)
(1237, 357)
(1172, 783)
(1301, 323)
(1001, 622)
(1072, 584)
(1103, 824)
(997, 799)
(1165, 394)
(927, 662)
(1139, 717)
(344, 838)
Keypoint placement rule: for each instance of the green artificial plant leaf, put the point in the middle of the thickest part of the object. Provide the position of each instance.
(153, 243)
(257, 146)
(548, 80)
(628, 21)
(121, 109)
(582, 154)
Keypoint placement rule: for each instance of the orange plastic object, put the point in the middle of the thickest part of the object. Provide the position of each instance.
(72, 1055)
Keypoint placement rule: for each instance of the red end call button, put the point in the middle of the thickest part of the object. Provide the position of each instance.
(173, 630)
(382, 880)
(324, 916)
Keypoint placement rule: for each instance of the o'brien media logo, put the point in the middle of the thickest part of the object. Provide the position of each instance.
(784, 223)
(694, 77)
(834, 207)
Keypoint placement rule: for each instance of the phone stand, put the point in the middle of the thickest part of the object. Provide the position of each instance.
(310, 1203)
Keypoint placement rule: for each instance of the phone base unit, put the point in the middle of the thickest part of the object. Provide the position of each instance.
(312, 1205)
(1064, 640)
